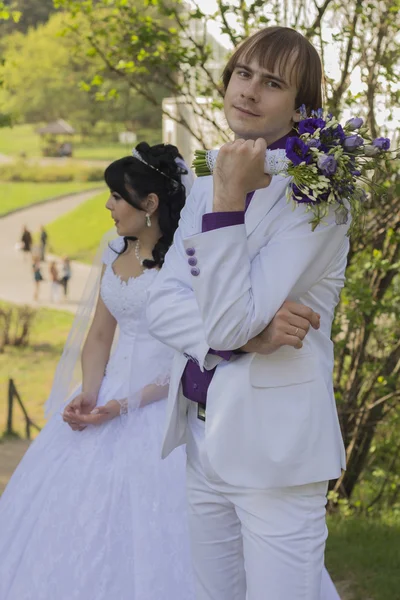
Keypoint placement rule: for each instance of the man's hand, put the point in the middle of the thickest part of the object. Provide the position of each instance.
(289, 327)
(97, 416)
(239, 169)
(82, 404)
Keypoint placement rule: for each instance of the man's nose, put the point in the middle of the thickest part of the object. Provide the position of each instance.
(251, 91)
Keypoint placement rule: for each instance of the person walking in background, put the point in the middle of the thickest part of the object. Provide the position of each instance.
(37, 276)
(55, 282)
(65, 275)
(43, 243)
(26, 241)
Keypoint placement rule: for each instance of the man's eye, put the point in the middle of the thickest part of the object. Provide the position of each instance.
(273, 84)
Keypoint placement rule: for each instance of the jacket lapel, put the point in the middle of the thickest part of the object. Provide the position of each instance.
(263, 202)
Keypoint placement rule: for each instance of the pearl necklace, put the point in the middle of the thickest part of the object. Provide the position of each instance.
(137, 254)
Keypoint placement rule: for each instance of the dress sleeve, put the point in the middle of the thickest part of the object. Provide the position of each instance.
(111, 251)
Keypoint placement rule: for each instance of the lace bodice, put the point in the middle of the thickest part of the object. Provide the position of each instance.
(137, 359)
(126, 300)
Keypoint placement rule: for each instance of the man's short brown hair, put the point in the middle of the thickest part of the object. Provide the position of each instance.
(276, 48)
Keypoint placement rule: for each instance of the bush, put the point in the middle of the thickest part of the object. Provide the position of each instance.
(26, 172)
(16, 325)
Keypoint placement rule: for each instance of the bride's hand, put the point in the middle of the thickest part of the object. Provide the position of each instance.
(98, 416)
(83, 403)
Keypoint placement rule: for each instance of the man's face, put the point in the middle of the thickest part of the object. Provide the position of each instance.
(259, 103)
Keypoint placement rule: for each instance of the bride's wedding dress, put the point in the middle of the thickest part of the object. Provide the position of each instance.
(97, 515)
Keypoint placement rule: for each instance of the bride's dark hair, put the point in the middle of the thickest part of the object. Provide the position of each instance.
(134, 180)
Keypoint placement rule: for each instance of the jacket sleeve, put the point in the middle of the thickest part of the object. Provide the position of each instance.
(238, 297)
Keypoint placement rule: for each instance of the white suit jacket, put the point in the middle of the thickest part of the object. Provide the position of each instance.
(271, 420)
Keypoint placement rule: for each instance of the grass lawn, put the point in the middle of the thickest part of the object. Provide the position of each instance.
(17, 195)
(366, 553)
(20, 139)
(33, 367)
(78, 233)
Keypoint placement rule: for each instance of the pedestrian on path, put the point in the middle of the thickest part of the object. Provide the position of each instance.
(26, 241)
(43, 243)
(37, 276)
(55, 282)
(66, 274)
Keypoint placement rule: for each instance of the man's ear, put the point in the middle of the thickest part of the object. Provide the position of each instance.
(296, 116)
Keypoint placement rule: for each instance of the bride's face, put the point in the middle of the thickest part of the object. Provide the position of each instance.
(128, 220)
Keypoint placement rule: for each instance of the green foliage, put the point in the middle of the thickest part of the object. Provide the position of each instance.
(159, 49)
(39, 73)
(23, 171)
(18, 195)
(47, 75)
(367, 333)
(8, 13)
(78, 233)
(30, 14)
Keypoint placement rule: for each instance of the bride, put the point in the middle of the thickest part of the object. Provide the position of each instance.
(92, 513)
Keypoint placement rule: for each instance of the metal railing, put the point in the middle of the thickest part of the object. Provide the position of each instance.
(13, 395)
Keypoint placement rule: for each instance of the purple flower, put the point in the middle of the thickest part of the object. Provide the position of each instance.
(381, 143)
(300, 196)
(311, 125)
(353, 142)
(327, 164)
(318, 113)
(354, 123)
(297, 151)
(313, 143)
(332, 136)
(303, 111)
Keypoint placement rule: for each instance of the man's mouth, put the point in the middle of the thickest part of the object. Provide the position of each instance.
(246, 111)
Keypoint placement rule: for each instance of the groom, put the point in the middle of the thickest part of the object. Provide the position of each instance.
(261, 428)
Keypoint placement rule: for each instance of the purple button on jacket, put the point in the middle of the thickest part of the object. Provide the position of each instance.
(195, 384)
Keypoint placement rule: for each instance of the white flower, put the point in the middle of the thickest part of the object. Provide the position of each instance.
(371, 150)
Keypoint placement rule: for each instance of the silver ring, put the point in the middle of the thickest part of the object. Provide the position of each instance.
(297, 331)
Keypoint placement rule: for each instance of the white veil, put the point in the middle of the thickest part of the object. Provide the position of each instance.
(68, 375)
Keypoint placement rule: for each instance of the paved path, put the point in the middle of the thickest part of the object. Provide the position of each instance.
(16, 277)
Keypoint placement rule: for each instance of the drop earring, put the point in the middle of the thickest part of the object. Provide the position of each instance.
(148, 220)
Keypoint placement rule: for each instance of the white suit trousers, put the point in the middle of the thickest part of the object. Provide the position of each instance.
(250, 544)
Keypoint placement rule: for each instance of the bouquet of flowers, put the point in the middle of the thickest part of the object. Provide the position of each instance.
(325, 161)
